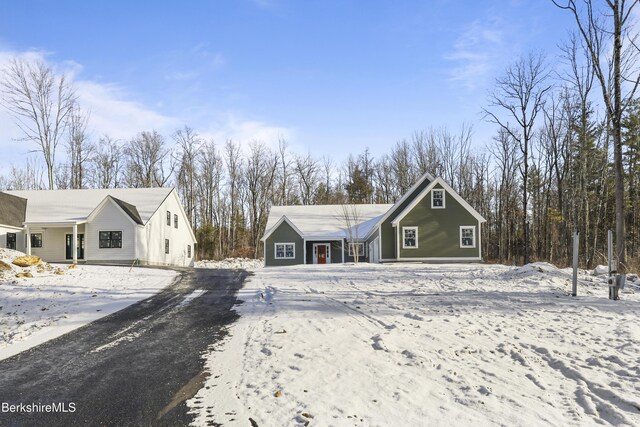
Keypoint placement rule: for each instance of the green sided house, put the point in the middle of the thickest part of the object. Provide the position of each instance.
(430, 223)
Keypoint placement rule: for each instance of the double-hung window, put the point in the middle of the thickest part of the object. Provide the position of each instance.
(11, 241)
(437, 199)
(169, 218)
(358, 247)
(285, 250)
(409, 237)
(166, 246)
(36, 240)
(175, 220)
(467, 236)
(110, 239)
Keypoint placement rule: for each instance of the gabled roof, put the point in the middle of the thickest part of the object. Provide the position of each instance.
(13, 210)
(46, 206)
(317, 222)
(127, 209)
(278, 224)
(426, 191)
(404, 198)
(323, 221)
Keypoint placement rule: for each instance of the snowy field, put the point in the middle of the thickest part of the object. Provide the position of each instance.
(410, 345)
(35, 310)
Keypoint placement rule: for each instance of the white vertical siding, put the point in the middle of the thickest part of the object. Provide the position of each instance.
(111, 218)
(156, 231)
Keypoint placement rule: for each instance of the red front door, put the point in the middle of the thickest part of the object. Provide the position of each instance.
(322, 254)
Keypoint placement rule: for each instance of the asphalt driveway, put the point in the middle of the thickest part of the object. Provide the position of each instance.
(135, 367)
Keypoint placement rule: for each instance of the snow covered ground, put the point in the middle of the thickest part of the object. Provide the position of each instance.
(380, 345)
(35, 310)
(243, 263)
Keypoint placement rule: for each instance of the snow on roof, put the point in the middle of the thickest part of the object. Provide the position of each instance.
(77, 205)
(326, 221)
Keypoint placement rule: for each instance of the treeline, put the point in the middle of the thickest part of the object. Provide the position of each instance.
(565, 156)
(227, 188)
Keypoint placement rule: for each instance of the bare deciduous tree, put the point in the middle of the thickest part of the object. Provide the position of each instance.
(189, 144)
(148, 161)
(40, 101)
(603, 32)
(79, 148)
(352, 218)
(106, 163)
(521, 94)
(307, 169)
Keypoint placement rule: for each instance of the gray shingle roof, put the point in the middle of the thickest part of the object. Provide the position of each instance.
(129, 209)
(13, 210)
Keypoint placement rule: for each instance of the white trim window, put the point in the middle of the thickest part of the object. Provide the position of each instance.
(467, 236)
(437, 198)
(284, 250)
(409, 237)
(360, 247)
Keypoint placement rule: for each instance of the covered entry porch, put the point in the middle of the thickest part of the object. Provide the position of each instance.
(324, 251)
(56, 241)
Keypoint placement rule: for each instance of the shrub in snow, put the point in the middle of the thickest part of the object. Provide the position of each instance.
(27, 261)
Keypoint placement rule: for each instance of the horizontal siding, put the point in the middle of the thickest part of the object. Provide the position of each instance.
(54, 242)
(110, 218)
(19, 237)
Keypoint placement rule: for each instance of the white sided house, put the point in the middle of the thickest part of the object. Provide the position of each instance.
(120, 225)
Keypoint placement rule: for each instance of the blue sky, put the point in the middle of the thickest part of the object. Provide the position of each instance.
(332, 77)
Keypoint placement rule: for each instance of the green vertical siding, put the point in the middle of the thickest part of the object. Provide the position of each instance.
(388, 238)
(439, 230)
(283, 234)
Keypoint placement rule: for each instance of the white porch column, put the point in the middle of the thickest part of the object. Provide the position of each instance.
(343, 251)
(304, 250)
(74, 244)
(27, 232)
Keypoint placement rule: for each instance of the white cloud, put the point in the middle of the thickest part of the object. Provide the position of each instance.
(246, 131)
(476, 52)
(113, 114)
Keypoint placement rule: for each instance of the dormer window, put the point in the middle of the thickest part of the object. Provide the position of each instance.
(437, 199)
